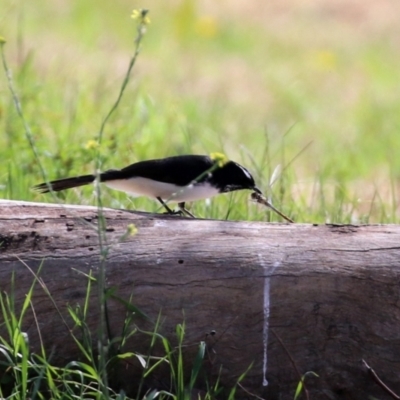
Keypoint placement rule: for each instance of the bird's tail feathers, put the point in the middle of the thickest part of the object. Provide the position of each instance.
(62, 184)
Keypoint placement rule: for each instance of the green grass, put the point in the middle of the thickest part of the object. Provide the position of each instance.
(26, 375)
(307, 91)
(209, 80)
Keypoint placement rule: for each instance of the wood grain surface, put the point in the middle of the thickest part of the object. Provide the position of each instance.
(320, 297)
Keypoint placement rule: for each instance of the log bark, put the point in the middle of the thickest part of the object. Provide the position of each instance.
(285, 298)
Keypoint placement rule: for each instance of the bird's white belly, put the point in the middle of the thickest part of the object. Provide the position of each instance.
(167, 191)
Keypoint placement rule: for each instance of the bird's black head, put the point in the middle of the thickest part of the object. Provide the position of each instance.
(232, 176)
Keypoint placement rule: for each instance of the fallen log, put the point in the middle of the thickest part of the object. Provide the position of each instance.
(286, 298)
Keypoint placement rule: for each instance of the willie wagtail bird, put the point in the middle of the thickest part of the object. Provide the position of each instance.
(179, 178)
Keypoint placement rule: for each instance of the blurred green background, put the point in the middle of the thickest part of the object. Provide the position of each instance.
(307, 88)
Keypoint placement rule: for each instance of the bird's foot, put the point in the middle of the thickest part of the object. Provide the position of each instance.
(174, 212)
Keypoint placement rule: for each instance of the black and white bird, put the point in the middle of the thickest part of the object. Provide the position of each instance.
(179, 179)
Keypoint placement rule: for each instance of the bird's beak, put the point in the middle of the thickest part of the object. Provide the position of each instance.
(257, 190)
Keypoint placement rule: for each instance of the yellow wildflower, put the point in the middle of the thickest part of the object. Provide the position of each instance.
(135, 14)
(207, 27)
(220, 158)
(92, 144)
(132, 230)
(141, 16)
(326, 60)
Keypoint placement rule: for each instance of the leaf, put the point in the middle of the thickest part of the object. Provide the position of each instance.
(129, 306)
(198, 362)
(298, 389)
(300, 385)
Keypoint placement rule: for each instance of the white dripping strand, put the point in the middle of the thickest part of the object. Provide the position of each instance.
(265, 329)
(268, 270)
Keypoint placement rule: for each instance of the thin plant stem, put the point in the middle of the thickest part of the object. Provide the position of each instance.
(18, 107)
(138, 40)
(102, 225)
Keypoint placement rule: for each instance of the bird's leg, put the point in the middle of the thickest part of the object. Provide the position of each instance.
(184, 210)
(169, 211)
